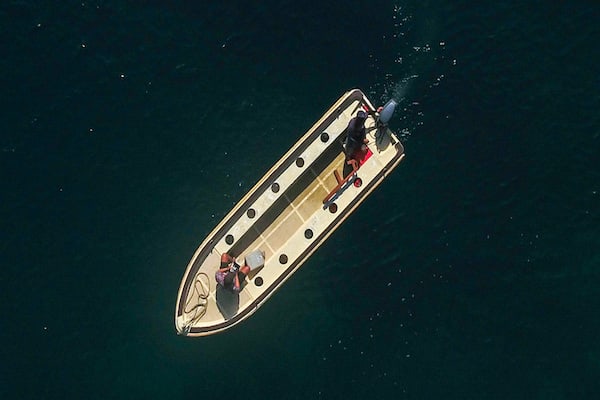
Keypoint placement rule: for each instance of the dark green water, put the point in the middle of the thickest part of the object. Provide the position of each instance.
(477, 275)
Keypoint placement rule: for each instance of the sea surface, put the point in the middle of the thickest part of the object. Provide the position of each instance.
(130, 128)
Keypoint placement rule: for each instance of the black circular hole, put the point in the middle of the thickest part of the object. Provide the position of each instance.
(258, 281)
(251, 213)
(229, 239)
(275, 187)
(324, 137)
(357, 182)
(333, 208)
(300, 162)
(283, 259)
(308, 233)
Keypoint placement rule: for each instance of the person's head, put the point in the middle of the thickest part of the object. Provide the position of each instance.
(361, 116)
(226, 259)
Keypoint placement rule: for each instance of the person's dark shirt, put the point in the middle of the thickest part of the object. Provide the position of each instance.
(356, 135)
(356, 130)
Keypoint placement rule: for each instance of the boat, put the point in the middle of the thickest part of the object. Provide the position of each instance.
(286, 216)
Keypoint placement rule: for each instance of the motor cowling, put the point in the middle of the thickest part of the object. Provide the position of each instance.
(387, 111)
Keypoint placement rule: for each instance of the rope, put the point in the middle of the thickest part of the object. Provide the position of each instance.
(199, 309)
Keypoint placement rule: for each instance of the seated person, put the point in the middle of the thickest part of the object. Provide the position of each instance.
(357, 134)
(230, 275)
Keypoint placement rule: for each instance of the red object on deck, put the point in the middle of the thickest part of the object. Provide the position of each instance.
(362, 155)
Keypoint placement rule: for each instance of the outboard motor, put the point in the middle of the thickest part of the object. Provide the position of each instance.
(386, 112)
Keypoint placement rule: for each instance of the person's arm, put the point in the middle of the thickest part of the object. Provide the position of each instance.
(228, 267)
(363, 134)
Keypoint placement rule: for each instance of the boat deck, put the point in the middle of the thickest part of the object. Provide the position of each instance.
(295, 207)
